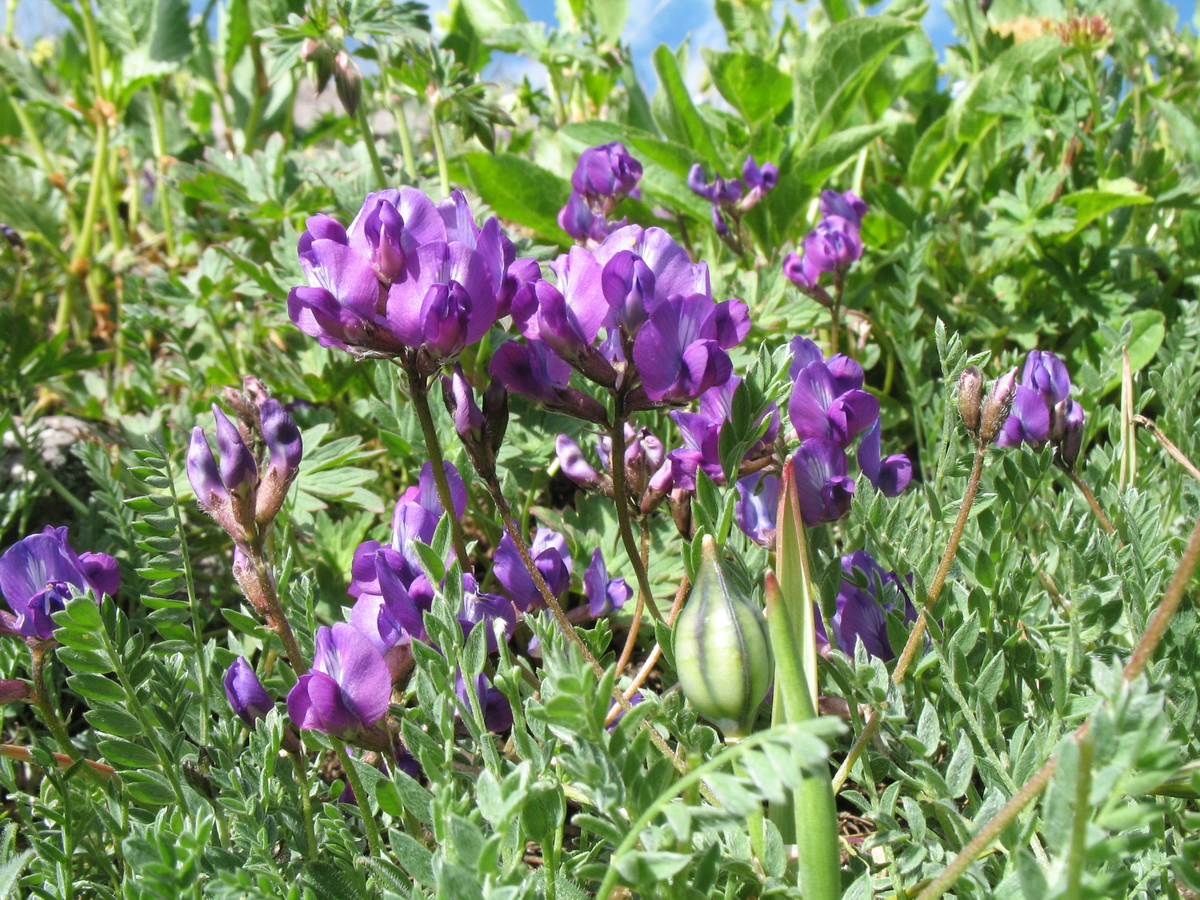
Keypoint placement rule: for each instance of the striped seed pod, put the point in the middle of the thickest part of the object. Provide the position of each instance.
(722, 653)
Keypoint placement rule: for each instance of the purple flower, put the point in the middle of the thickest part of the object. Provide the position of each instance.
(533, 371)
(672, 269)
(40, 573)
(552, 557)
(860, 615)
(758, 507)
(348, 688)
(890, 476)
(759, 182)
(389, 620)
(823, 487)
(827, 398)
(604, 595)
(478, 606)
(285, 449)
(680, 351)
(833, 245)
(1045, 384)
(579, 220)
(721, 191)
(848, 206)
(606, 171)
(245, 692)
(573, 463)
(406, 274)
(497, 713)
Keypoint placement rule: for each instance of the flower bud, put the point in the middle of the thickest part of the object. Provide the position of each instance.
(203, 474)
(348, 81)
(722, 653)
(997, 406)
(245, 692)
(460, 403)
(970, 396)
(238, 470)
(286, 448)
(495, 414)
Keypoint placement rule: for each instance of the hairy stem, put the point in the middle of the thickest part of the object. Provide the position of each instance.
(418, 390)
(1090, 497)
(621, 499)
(1169, 446)
(370, 826)
(368, 136)
(439, 148)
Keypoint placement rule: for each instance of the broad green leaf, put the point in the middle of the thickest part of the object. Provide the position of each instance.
(96, 687)
(127, 754)
(490, 16)
(677, 116)
(1148, 331)
(1089, 205)
(834, 72)
(520, 191)
(819, 160)
(753, 86)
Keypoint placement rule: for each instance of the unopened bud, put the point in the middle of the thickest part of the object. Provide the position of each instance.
(495, 414)
(1068, 417)
(348, 81)
(320, 63)
(285, 448)
(996, 406)
(245, 692)
(970, 396)
(722, 652)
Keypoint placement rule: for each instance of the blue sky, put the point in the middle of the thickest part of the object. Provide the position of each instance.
(651, 22)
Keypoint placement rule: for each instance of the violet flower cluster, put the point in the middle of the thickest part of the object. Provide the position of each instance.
(860, 614)
(731, 198)
(830, 248)
(1042, 409)
(665, 339)
(603, 177)
(358, 662)
(406, 278)
(244, 493)
(828, 411)
(40, 573)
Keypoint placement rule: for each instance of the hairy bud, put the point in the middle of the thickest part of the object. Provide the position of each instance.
(997, 406)
(970, 398)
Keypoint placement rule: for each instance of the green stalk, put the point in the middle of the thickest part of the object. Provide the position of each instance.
(621, 500)
(160, 152)
(418, 390)
(370, 826)
(406, 144)
(792, 628)
(41, 699)
(364, 126)
(439, 147)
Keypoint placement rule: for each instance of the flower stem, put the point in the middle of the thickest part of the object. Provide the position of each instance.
(364, 125)
(1169, 446)
(41, 699)
(418, 389)
(1155, 630)
(635, 625)
(439, 147)
(621, 499)
(160, 184)
(655, 655)
(370, 826)
(1089, 497)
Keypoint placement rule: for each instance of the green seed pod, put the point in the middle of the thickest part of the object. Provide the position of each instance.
(722, 653)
